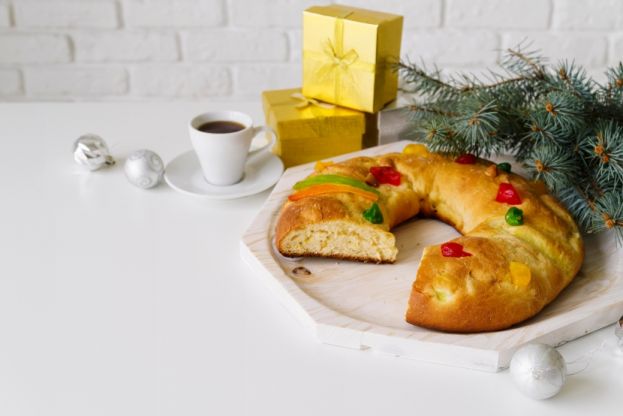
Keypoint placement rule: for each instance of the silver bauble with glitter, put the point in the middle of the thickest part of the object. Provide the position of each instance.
(144, 168)
(90, 151)
(538, 370)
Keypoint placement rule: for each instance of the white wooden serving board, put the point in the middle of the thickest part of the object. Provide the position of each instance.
(362, 306)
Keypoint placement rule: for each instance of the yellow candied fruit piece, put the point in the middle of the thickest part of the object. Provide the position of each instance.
(320, 165)
(416, 149)
(443, 294)
(520, 274)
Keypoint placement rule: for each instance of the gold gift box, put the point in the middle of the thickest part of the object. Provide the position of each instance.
(308, 130)
(348, 55)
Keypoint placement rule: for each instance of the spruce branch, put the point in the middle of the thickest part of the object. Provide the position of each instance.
(566, 128)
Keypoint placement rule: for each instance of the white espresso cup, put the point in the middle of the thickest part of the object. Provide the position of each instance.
(223, 156)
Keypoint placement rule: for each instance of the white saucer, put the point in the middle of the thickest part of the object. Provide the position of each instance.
(184, 175)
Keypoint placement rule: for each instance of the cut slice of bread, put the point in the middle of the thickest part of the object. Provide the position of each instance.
(341, 239)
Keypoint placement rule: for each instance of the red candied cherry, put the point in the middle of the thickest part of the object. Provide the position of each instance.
(453, 250)
(508, 194)
(466, 159)
(386, 174)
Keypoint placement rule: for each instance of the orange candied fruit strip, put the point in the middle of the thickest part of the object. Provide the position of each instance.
(331, 188)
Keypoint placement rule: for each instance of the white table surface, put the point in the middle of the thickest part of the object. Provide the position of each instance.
(120, 301)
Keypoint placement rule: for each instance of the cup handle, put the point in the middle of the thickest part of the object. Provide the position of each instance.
(269, 145)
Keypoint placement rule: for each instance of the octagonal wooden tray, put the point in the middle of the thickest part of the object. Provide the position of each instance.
(362, 306)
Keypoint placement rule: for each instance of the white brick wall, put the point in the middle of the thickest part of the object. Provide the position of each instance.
(616, 51)
(498, 14)
(236, 46)
(178, 49)
(26, 48)
(173, 13)
(126, 46)
(453, 47)
(596, 14)
(10, 82)
(268, 13)
(76, 81)
(185, 80)
(5, 14)
(66, 13)
(586, 48)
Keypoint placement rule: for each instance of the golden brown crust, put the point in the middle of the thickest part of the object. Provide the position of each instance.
(466, 294)
(299, 214)
(361, 259)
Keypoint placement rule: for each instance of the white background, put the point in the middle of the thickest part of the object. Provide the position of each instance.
(232, 49)
(116, 301)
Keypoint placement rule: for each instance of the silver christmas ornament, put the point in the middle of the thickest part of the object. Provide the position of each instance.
(144, 168)
(538, 370)
(90, 151)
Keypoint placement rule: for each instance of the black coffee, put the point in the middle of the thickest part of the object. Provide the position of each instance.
(220, 127)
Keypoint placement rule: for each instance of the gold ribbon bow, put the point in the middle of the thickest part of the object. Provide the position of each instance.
(307, 101)
(336, 57)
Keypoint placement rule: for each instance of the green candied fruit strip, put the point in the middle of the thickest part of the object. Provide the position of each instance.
(373, 214)
(514, 216)
(504, 167)
(337, 179)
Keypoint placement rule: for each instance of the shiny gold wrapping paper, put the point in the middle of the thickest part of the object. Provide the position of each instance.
(348, 55)
(307, 131)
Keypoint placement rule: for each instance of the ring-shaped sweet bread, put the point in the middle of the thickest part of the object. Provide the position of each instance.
(519, 247)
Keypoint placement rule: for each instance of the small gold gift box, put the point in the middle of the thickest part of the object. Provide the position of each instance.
(308, 130)
(348, 55)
